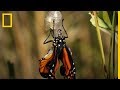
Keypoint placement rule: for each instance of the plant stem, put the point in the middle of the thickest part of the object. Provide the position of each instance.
(100, 43)
(113, 44)
(109, 65)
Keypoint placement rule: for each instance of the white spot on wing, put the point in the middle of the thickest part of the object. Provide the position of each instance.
(51, 70)
(49, 75)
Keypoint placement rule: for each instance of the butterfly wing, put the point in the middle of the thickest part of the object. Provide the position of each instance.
(68, 67)
(48, 65)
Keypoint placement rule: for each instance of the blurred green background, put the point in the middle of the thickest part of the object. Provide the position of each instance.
(22, 45)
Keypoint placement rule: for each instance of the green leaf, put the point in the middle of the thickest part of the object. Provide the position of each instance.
(101, 22)
(107, 19)
(100, 14)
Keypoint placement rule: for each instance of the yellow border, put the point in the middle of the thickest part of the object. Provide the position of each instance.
(3, 23)
(118, 45)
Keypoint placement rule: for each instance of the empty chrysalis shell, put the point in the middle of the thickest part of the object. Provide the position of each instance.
(53, 19)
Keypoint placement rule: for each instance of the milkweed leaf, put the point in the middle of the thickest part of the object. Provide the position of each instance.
(107, 19)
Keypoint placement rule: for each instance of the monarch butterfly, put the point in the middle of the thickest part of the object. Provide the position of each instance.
(60, 52)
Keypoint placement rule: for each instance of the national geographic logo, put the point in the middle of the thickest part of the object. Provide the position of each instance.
(7, 20)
